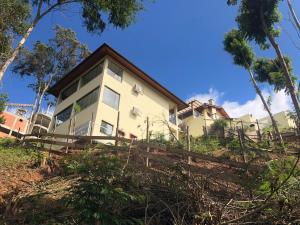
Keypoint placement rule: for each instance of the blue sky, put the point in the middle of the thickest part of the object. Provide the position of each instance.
(178, 43)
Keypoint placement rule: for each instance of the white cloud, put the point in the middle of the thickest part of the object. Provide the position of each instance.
(280, 102)
(204, 97)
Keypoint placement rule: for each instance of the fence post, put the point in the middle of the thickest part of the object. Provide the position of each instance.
(91, 127)
(241, 141)
(258, 131)
(117, 129)
(188, 143)
(148, 142)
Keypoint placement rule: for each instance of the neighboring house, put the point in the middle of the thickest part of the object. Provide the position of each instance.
(283, 120)
(247, 122)
(200, 116)
(16, 120)
(42, 123)
(105, 88)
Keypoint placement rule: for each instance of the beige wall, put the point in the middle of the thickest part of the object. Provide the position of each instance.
(282, 119)
(151, 103)
(197, 124)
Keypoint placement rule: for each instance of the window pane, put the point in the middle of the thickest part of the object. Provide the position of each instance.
(111, 98)
(91, 74)
(88, 99)
(106, 128)
(63, 115)
(115, 71)
(69, 91)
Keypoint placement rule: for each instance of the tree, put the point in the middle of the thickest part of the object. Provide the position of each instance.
(295, 18)
(47, 63)
(3, 101)
(256, 20)
(13, 23)
(271, 72)
(96, 15)
(236, 45)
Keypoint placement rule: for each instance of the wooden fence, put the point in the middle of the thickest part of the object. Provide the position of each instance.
(149, 152)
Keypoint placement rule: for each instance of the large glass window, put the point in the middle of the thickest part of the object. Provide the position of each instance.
(93, 73)
(106, 128)
(111, 98)
(115, 71)
(63, 115)
(69, 91)
(88, 99)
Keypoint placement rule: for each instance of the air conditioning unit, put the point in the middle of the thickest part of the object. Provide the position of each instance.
(138, 89)
(136, 112)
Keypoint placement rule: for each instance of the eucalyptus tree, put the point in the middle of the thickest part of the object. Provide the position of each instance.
(270, 71)
(236, 45)
(47, 63)
(295, 17)
(13, 23)
(256, 21)
(95, 14)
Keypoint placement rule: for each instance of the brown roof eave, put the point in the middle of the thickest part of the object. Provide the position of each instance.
(100, 53)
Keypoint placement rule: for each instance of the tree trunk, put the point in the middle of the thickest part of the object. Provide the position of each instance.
(289, 82)
(16, 51)
(36, 111)
(274, 123)
(21, 43)
(295, 18)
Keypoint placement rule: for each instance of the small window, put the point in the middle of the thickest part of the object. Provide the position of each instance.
(106, 128)
(196, 113)
(111, 98)
(93, 73)
(121, 133)
(132, 136)
(69, 91)
(88, 99)
(115, 71)
(63, 115)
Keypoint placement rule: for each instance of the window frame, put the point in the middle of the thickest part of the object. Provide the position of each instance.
(97, 98)
(90, 70)
(101, 127)
(56, 123)
(68, 87)
(103, 99)
(113, 74)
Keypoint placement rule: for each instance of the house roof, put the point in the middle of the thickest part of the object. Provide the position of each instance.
(201, 106)
(106, 50)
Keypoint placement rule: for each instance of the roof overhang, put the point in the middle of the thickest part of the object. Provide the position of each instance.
(102, 52)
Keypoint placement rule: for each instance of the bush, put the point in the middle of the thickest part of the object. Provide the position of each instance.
(205, 144)
(103, 194)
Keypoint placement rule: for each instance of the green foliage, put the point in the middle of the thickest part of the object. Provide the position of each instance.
(271, 72)
(257, 19)
(13, 155)
(47, 63)
(219, 125)
(205, 144)
(119, 13)
(103, 195)
(236, 45)
(77, 108)
(276, 172)
(3, 101)
(14, 15)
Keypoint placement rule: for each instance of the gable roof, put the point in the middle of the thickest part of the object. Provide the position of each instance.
(200, 107)
(106, 50)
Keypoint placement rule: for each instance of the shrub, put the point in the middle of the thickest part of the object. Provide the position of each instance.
(103, 194)
(205, 144)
